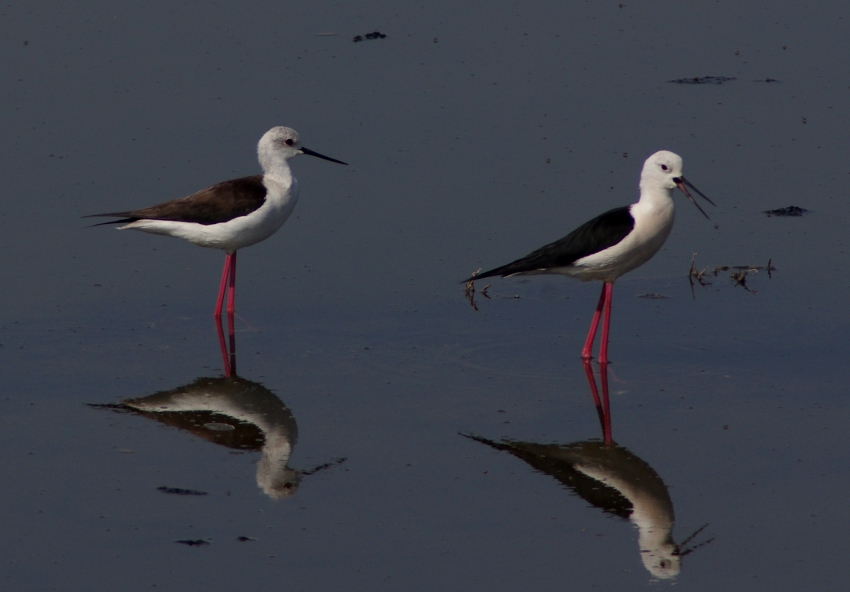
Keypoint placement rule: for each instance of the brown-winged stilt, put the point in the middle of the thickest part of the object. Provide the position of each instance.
(232, 214)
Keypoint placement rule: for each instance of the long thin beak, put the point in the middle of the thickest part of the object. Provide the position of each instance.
(683, 185)
(316, 154)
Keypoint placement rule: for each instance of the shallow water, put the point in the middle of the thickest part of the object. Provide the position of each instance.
(475, 134)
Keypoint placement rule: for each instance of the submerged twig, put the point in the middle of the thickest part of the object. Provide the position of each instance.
(693, 274)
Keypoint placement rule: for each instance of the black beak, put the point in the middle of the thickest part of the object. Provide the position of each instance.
(683, 184)
(316, 154)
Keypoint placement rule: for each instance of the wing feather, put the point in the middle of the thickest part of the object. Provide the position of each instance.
(598, 234)
(217, 203)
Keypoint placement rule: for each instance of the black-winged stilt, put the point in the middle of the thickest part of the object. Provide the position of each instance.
(232, 214)
(613, 243)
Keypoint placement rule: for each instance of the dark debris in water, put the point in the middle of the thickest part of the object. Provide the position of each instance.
(703, 80)
(653, 296)
(245, 539)
(193, 542)
(789, 211)
(737, 273)
(179, 491)
(469, 290)
(369, 36)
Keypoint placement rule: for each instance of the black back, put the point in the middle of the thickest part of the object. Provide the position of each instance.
(598, 234)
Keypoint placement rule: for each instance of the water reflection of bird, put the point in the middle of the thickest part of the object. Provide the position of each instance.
(613, 243)
(233, 214)
(236, 413)
(616, 481)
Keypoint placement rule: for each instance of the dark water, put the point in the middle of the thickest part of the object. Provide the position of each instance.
(475, 133)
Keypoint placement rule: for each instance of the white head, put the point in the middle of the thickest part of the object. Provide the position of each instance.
(279, 144)
(663, 172)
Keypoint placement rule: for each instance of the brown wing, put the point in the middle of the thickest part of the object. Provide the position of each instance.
(218, 203)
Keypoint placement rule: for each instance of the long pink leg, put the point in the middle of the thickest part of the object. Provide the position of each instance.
(231, 308)
(608, 291)
(231, 300)
(606, 404)
(225, 357)
(591, 335)
(232, 340)
(221, 290)
(594, 392)
(603, 406)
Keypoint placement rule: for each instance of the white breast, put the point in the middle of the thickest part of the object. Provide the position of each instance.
(653, 223)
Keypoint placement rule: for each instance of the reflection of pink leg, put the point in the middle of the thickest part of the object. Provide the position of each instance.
(591, 335)
(606, 404)
(231, 300)
(608, 292)
(225, 274)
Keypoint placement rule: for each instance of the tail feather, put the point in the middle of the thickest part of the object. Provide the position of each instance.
(123, 219)
(500, 271)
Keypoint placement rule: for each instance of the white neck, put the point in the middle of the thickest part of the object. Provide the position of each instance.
(276, 166)
(651, 193)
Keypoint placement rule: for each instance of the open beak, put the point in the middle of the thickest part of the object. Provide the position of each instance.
(684, 184)
(316, 154)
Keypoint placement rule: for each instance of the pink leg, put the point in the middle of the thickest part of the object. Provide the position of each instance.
(232, 339)
(606, 404)
(228, 355)
(591, 335)
(221, 290)
(594, 392)
(225, 358)
(231, 300)
(603, 406)
(608, 291)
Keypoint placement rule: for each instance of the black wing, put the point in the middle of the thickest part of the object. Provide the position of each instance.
(218, 203)
(606, 230)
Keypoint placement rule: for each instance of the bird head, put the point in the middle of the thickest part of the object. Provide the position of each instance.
(663, 170)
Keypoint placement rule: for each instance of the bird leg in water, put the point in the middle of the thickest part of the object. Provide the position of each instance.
(604, 303)
(231, 299)
(608, 290)
(228, 355)
(603, 406)
(228, 273)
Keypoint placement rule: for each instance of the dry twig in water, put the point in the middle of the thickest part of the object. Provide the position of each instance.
(738, 274)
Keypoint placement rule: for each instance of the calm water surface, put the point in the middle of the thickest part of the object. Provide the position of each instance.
(383, 435)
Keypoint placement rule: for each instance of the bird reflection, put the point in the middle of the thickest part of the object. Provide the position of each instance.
(613, 479)
(234, 412)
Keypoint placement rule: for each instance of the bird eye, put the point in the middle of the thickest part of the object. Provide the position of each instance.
(290, 142)
(663, 167)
